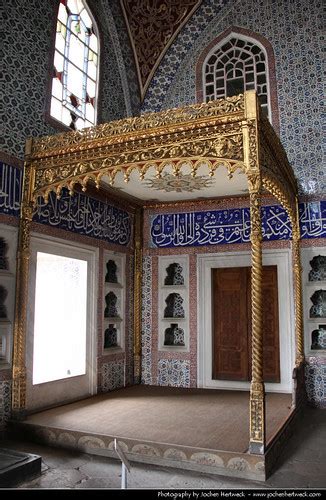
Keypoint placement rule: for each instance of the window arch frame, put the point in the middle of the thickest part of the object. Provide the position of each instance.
(51, 120)
(264, 45)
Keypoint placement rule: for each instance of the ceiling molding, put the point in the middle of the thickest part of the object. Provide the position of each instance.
(152, 27)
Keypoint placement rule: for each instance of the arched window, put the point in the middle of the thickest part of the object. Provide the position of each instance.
(237, 63)
(75, 66)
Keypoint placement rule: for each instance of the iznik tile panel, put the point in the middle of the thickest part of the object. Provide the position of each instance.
(315, 374)
(173, 373)
(216, 227)
(78, 213)
(11, 179)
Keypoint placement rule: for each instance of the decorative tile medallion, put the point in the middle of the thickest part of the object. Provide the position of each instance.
(174, 372)
(315, 374)
(113, 375)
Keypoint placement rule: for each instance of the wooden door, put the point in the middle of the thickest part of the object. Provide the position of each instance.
(232, 324)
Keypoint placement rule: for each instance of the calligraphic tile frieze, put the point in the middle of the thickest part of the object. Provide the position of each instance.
(78, 213)
(91, 217)
(11, 180)
(215, 227)
(85, 215)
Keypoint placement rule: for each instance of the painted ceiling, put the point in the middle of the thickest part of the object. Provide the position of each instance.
(153, 25)
(170, 187)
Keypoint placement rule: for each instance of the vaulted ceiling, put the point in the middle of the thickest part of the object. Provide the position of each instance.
(153, 25)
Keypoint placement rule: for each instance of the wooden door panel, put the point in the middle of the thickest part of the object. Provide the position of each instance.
(271, 354)
(230, 324)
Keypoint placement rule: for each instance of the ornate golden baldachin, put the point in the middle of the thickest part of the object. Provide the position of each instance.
(228, 132)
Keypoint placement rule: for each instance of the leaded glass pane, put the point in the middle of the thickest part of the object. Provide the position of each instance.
(66, 116)
(75, 80)
(75, 6)
(62, 14)
(56, 108)
(58, 61)
(90, 112)
(86, 19)
(76, 51)
(75, 66)
(92, 70)
(234, 66)
(57, 88)
(60, 41)
(91, 87)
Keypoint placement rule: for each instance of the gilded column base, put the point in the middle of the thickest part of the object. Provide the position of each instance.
(257, 419)
(18, 411)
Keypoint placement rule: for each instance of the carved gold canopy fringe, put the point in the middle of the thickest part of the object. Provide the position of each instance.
(228, 132)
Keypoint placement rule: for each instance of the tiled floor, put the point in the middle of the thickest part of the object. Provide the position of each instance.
(303, 465)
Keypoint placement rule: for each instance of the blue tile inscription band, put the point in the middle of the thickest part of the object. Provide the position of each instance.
(216, 227)
(91, 217)
(79, 213)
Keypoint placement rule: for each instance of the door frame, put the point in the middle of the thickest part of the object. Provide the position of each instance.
(281, 258)
(49, 244)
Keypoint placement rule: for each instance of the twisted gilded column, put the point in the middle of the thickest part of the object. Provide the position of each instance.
(257, 390)
(138, 264)
(298, 395)
(22, 274)
(297, 274)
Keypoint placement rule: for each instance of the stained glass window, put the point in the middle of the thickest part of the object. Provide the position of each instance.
(75, 68)
(236, 64)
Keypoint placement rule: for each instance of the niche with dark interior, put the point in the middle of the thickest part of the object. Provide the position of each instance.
(111, 310)
(110, 337)
(318, 309)
(174, 275)
(318, 268)
(4, 265)
(174, 307)
(3, 296)
(111, 272)
(174, 336)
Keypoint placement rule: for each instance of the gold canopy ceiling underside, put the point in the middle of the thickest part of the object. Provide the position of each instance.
(228, 132)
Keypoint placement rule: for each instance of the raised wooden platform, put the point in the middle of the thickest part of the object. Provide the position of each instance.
(194, 429)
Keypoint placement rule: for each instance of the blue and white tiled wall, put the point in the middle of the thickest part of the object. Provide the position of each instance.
(28, 29)
(315, 373)
(294, 30)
